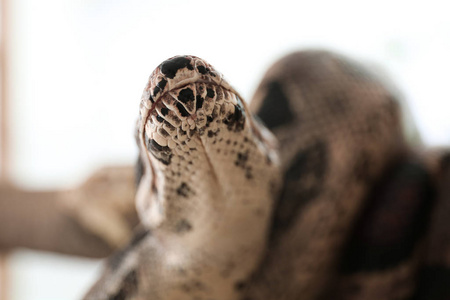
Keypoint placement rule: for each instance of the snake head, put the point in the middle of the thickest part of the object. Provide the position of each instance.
(188, 115)
(179, 99)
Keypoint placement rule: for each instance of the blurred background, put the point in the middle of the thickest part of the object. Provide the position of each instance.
(73, 72)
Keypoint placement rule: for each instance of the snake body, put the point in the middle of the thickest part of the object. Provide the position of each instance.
(339, 130)
(228, 214)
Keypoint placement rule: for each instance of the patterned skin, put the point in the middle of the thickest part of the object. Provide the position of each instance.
(356, 201)
(343, 213)
(205, 197)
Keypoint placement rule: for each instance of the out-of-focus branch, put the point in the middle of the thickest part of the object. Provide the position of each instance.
(37, 220)
(91, 220)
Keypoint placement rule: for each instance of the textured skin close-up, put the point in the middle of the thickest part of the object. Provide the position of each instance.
(311, 192)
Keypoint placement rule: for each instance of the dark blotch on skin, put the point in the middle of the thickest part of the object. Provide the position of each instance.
(163, 132)
(275, 110)
(162, 84)
(199, 103)
(241, 162)
(154, 146)
(159, 87)
(161, 153)
(159, 118)
(182, 110)
(236, 120)
(393, 221)
(433, 283)
(201, 70)
(164, 111)
(210, 93)
(240, 285)
(241, 159)
(303, 182)
(169, 126)
(128, 288)
(171, 66)
(186, 95)
(209, 119)
(156, 91)
(183, 226)
(184, 190)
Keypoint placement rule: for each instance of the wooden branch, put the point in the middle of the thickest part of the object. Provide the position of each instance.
(36, 220)
(91, 220)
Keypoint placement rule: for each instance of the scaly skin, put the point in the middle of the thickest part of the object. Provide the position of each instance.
(352, 213)
(206, 194)
(339, 130)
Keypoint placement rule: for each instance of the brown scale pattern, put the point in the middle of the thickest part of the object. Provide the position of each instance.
(326, 223)
(349, 221)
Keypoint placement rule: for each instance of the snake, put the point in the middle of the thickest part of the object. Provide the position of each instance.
(289, 197)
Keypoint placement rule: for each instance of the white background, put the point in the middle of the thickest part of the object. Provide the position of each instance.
(79, 67)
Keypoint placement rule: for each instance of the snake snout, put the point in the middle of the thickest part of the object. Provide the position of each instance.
(186, 97)
(187, 66)
(171, 66)
(179, 71)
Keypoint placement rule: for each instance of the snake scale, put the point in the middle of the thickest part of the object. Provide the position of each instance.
(312, 192)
